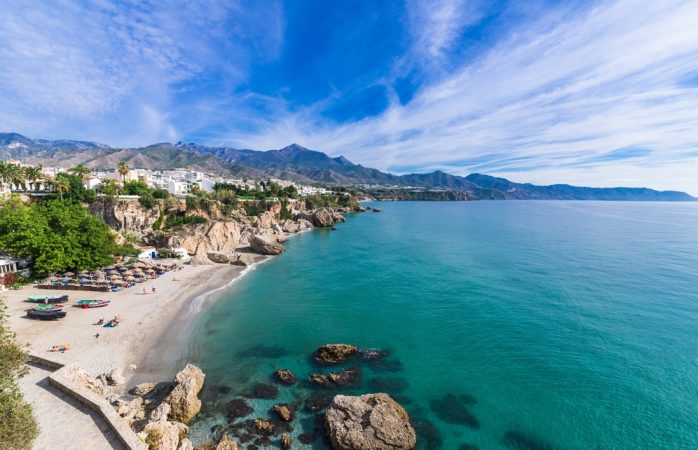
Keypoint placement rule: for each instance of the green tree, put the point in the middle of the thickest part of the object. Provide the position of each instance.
(61, 186)
(123, 170)
(18, 428)
(81, 171)
(33, 174)
(56, 235)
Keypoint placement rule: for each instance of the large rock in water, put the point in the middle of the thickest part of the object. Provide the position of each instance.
(263, 245)
(334, 353)
(164, 435)
(368, 422)
(183, 399)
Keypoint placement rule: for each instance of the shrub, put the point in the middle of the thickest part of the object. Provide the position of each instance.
(18, 428)
(176, 221)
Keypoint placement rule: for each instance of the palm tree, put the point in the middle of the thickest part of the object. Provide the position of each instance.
(81, 171)
(123, 169)
(32, 174)
(61, 186)
(16, 177)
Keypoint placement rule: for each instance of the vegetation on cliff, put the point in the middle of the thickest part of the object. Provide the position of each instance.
(18, 428)
(57, 235)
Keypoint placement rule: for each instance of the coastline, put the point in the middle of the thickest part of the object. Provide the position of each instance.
(147, 317)
(157, 361)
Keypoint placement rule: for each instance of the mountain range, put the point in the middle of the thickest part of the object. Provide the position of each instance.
(297, 163)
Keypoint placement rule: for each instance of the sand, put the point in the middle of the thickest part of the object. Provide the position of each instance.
(147, 318)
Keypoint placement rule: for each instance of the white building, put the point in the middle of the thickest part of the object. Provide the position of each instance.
(8, 266)
(178, 187)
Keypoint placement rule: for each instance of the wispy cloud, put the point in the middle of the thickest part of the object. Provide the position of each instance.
(114, 69)
(558, 90)
(597, 95)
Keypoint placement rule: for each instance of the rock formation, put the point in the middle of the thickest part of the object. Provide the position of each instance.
(183, 399)
(285, 376)
(334, 353)
(368, 422)
(264, 246)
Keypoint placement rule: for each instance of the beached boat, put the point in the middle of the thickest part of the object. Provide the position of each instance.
(39, 298)
(46, 314)
(47, 307)
(85, 304)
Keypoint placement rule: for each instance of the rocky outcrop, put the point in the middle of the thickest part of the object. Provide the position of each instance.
(284, 411)
(286, 441)
(323, 217)
(202, 239)
(334, 353)
(219, 257)
(80, 377)
(368, 422)
(285, 377)
(183, 399)
(345, 377)
(126, 215)
(226, 444)
(265, 246)
(164, 435)
(142, 389)
(243, 259)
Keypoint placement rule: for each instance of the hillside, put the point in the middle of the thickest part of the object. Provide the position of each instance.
(300, 164)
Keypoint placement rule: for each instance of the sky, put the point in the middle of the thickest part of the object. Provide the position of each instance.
(590, 93)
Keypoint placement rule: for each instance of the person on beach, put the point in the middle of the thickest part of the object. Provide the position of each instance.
(144, 291)
(96, 335)
(100, 322)
(153, 289)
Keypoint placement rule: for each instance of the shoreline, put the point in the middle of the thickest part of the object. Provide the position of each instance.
(176, 331)
(147, 317)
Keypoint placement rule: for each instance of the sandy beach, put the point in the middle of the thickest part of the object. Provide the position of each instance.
(146, 319)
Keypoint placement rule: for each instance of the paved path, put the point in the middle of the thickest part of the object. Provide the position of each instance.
(65, 423)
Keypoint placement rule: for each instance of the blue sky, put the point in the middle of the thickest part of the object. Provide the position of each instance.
(589, 93)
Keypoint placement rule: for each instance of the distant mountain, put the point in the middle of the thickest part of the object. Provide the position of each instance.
(303, 165)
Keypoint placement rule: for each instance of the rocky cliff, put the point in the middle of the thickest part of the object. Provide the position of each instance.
(235, 239)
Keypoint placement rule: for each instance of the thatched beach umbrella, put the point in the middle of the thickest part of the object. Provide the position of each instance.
(68, 274)
(109, 268)
(129, 278)
(149, 271)
(115, 277)
(128, 272)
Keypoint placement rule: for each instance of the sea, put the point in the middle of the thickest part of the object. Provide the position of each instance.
(505, 325)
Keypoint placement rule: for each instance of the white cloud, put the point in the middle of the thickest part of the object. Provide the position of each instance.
(553, 93)
(97, 70)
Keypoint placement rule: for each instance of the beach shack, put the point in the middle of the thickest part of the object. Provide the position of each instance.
(148, 253)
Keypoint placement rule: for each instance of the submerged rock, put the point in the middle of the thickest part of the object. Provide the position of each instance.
(346, 377)
(263, 391)
(452, 409)
(368, 422)
(263, 426)
(285, 377)
(389, 385)
(373, 354)
(521, 441)
(237, 408)
(427, 433)
(263, 351)
(317, 401)
(306, 438)
(334, 353)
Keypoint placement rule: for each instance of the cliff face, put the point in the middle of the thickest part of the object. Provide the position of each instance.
(218, 241)
(126, 215)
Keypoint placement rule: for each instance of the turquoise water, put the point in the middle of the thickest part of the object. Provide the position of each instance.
(573, 325)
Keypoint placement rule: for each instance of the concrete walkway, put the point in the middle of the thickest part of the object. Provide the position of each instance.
(65, 424)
